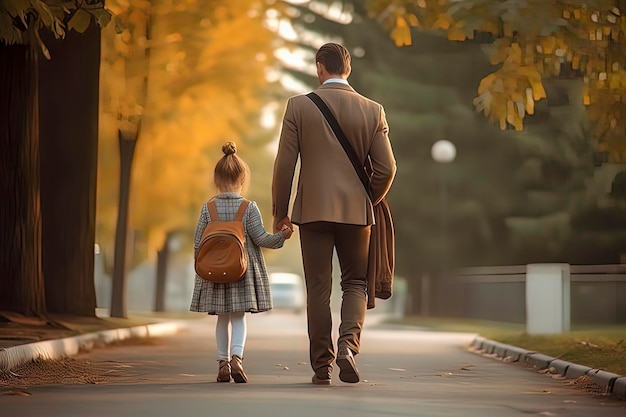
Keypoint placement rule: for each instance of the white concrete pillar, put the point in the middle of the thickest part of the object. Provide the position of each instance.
(547, 298)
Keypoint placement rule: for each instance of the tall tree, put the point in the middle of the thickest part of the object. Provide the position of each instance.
(69, 144)
(22, 280)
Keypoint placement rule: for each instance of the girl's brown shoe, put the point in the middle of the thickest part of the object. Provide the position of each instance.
(237, 372)
(223, 375)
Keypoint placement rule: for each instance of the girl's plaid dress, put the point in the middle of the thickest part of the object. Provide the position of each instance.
(251, 293)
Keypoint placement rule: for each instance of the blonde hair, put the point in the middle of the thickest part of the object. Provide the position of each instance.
(231, 172)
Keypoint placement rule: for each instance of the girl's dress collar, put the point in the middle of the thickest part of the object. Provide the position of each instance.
(229, 195)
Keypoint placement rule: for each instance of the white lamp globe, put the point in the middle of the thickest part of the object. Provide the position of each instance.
(443, 151)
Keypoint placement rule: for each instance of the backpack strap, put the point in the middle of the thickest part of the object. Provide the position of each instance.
(212, 208)
(242, 210)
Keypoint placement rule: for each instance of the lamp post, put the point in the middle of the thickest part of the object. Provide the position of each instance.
(443, 152)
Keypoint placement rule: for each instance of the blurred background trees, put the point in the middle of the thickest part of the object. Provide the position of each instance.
(206, 86)
(530, 92)
(203, 83)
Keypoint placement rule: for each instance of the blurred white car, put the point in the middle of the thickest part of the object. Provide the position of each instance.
(288, 291)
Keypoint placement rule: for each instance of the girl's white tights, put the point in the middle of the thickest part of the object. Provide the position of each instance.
(239, 330)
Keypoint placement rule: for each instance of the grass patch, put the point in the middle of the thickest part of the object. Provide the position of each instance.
(599, 347)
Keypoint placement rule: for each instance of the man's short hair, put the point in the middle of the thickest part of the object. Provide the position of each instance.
(335, 58)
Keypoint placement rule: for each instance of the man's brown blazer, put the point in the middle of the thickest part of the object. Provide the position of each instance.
(328, 187)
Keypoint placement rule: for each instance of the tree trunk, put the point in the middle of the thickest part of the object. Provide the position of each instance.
(21, 278)
(69, 145)
(163, 257)
(118, 291)
(161, 278)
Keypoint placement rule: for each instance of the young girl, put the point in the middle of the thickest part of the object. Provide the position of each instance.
(251, 294)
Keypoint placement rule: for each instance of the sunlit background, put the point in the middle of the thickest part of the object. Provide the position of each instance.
(530, 111)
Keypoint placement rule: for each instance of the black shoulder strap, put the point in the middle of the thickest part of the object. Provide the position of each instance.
(334, 125)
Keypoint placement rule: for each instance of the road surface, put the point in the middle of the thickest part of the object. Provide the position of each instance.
(404, 371)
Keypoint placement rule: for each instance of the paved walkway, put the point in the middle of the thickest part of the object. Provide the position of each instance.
(405, 372)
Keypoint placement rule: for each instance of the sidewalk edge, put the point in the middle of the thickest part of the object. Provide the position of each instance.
(15, 356)
(614, 384)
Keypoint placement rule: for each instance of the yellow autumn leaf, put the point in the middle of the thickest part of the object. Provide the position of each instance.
(530, 101)
(538, 91)
(502, 121)
(486, 83)
(442, 22)
(456, 34)
(401, 36)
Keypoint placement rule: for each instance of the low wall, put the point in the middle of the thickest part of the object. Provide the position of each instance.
(598, 293)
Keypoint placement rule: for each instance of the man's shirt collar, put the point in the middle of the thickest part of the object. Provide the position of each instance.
(336, 80)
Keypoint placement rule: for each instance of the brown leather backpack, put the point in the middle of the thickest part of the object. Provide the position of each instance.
(221, 255)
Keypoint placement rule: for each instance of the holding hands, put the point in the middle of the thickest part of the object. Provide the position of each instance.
(283, 225)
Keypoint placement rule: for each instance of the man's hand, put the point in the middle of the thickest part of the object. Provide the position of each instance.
(279, 224)
(287, 231)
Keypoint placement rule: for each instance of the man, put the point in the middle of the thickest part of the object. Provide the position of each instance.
(332, 207)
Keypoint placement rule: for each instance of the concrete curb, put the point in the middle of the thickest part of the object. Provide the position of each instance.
(613, 383)
(13, 357)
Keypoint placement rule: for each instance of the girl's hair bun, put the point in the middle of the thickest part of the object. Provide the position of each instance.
(229, 148)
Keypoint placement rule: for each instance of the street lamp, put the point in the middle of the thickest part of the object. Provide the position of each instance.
(444, 153)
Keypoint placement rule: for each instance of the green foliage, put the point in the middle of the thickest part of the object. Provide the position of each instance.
(528, 42)
(21, 20)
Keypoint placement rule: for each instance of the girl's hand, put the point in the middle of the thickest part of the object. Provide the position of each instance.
(286, 231)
